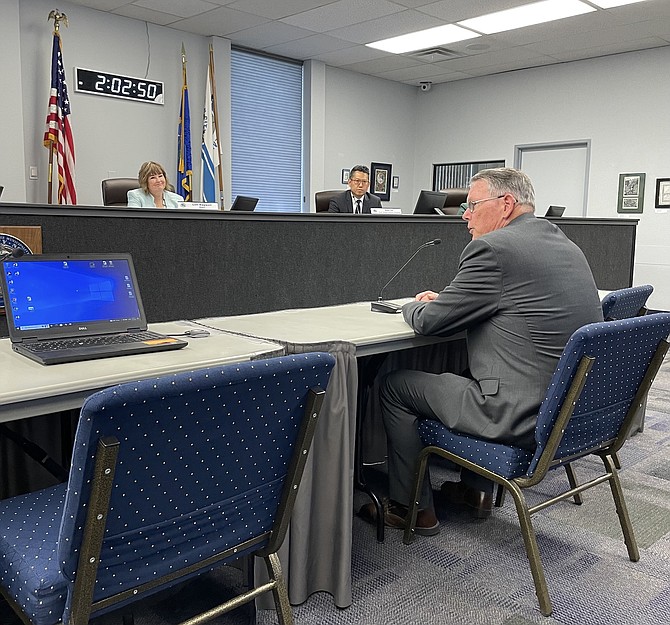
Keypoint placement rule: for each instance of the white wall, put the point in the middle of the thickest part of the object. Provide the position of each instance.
(618, 102)
(370, 120)
(12, 159)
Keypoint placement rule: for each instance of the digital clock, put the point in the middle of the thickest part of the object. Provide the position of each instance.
(116, 86)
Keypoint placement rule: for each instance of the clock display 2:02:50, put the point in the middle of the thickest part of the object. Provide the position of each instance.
(103, 83)
(126, 86)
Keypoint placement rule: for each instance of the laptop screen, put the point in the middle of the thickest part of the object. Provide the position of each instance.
(49, 296)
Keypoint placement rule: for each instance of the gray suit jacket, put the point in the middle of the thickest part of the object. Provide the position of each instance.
(519, 293)
(343, 203)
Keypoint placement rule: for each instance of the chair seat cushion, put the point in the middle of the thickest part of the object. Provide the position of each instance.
(32, 575)
(503, 460)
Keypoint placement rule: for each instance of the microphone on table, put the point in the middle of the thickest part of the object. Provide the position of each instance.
(17, 252)
(390, 307)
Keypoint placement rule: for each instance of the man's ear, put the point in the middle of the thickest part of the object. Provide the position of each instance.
(510, 203)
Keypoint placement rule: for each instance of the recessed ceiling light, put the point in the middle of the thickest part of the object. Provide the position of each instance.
(608, 4)
(423, 39)
(526, 15)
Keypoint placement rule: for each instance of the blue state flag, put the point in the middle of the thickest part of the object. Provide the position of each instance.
(184, 164)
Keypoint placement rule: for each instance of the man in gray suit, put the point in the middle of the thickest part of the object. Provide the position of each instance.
(521, 290)
(357, 199)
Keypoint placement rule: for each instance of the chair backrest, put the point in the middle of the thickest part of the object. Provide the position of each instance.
(115, 190)
(203, 460)
(322, 199)
(455, 197)
(623, 351)
(625, 303)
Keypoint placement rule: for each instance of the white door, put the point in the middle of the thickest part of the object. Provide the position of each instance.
(559, 172)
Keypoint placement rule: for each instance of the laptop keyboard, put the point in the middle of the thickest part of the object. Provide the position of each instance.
(85, 341)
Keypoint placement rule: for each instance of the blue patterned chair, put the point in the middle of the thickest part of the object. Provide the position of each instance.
(170, 477)
(601, 378)
(623, 304)
(626, 303)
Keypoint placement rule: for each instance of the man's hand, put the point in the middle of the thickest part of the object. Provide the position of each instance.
(425, 296)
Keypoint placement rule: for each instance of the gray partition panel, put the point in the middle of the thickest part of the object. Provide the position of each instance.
(201, 263)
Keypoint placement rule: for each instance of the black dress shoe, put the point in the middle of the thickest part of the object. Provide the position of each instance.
(479, 502)
(395, 516)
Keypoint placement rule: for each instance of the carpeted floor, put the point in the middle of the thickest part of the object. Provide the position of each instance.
(477, 573)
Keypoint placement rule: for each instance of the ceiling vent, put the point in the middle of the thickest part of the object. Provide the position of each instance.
(433, 55)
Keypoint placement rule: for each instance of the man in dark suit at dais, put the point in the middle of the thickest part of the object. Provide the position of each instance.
(522, 288)
(357, 199)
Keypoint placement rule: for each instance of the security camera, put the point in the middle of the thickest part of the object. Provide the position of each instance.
(426, 85)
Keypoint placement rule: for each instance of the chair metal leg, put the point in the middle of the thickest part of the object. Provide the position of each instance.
(500, 496)
(532, 550)
(572, 480)
(279, 592)
(617, 462)
(413, 509)
(622, 510)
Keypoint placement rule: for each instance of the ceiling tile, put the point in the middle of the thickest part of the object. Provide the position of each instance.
(342, 13)
(220, 22)
(146, 15)
(177, 7)
(419, 73)
(309, 46)
(276, 10)
(384, 64)
(385, 27)
(349, 56)
(612, 48)
(456, 10)
(269, 34)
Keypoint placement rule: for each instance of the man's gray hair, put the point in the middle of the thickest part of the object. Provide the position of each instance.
(503, 180)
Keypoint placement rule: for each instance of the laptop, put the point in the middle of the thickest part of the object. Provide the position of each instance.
(244, 203)
(74, 307)
(555, 211)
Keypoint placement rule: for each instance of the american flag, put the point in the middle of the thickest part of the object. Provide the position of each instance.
(58, 136)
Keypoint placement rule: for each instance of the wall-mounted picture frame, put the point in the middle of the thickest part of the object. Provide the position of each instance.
(345, 175)
(662, 192)
(395, 182)
(380, 180)
(631, 193)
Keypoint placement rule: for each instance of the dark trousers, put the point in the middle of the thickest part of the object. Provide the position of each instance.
(405, 397)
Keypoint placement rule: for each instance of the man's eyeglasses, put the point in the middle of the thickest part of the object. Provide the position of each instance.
(359, 181)
(471, 205)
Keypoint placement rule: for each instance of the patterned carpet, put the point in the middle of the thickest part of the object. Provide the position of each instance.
(477, 572)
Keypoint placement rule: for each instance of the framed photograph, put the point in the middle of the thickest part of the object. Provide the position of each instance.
(631, 193)
(380, 180)
(345, 175)
(395, 183)
(662, 192)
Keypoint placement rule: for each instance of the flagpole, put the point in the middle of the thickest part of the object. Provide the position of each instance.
(185, 178)
(216, 125)
(57, 17)
(181, 161)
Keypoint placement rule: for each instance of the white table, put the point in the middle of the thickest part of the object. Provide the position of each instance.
(317, 554)
(28, 389)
